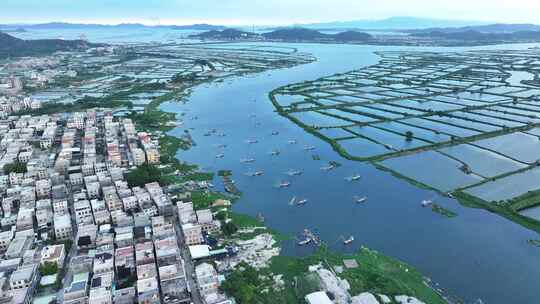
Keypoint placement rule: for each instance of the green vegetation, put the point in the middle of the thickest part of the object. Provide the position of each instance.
(48, 268)
(248, 285)
(527, 200)
(152, 120)
(168, 146)
(182, 78)
(144, 174)
(376, 274)
(199, 176)
(16, 167)
(224, 173)
(244, 221)
(443, 211)
(229, 228)
(497, 208)
(409, 136)
(203, 200)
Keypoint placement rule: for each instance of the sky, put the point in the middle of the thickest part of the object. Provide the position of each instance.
(262, 12)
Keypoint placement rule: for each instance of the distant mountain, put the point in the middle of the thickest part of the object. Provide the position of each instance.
(15, 47)
(303, 34)
(392, 23)
(198, 27)
(352, 36)
(476, 36)
(295, 33)
(489, 28)
(227, 34)
(81, 26)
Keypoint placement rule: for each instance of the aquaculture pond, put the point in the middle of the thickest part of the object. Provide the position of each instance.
(508, 187)
(474, 255)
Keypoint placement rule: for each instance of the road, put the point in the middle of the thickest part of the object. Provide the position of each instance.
(188, 264)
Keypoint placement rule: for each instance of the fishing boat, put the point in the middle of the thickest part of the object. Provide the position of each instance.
(349, 240)
(284, 184)
(427, 203)
(247, 160)
(304, 242)
(328, 168)
(295, 172)
(302, 202)
(220, 155)
(353, 178)
(360, 200)
(275, 153)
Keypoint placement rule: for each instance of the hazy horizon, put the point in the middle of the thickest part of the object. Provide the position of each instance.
(257, 12)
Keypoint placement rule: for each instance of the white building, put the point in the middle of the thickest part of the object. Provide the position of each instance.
(208, 281)
(192, 234)
(62, 227)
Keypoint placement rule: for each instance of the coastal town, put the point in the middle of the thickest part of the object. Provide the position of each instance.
(97, 209)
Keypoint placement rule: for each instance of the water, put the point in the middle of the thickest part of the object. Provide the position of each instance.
(476, 255)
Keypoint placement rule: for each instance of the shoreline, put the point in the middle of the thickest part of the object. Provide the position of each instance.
(244, 221)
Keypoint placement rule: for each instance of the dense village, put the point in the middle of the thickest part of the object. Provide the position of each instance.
(71, 220)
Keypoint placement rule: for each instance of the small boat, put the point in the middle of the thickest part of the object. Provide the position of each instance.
(292, 201)
(274, 133)
(353, 178)
(360, 200)
(220, 155)
(304, 242)
(275, 153)
(292, 141)
(258, 173)
(302, 202)
(260, 217)
(251, 141)
(295, 172)
(284, 184)
(427, 203)
(247, 160)
(222, 146)
(309, 148)
(349, 240)
(328, 168)
(221, 134)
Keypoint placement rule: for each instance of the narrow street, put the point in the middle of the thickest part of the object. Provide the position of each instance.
(188, 264)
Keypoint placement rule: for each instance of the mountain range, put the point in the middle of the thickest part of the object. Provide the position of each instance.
(402, 23)
(497, 28)
(81, 26)
(286, 34)
(15, 47)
